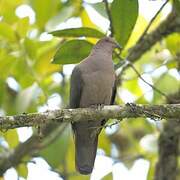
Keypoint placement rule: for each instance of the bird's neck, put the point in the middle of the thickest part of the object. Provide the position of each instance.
(101, 57)
(105, 51)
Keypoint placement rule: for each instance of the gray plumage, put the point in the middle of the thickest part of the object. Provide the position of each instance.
(92, 83)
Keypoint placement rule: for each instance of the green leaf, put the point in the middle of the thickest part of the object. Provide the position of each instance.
(172, 64)
(11, 137)
(7, 10)
(104, 143)
(65, 13)
(167, 84)
(100, 8)
(173, 43)
(78, 32)
(177, 6)
(44, 11)
(22, 170)
(55, 153)
(133, 86)
(22, 26)
(124, 14)
(7, 32)
(72, 52)
(31, 47)
(173, 84)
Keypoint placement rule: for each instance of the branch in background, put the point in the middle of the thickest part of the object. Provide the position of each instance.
(153, 87)
(30, 147)
(109, 17)
(166, 167)
(85, 114)
(169, 141)
(168, 26)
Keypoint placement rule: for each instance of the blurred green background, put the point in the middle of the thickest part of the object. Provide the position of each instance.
(36, 60)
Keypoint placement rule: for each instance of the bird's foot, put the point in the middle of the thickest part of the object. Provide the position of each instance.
(97, 106)
(132, 106)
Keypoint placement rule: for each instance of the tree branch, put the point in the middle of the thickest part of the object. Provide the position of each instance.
(74, 115)
(30, 147)
(168, 26)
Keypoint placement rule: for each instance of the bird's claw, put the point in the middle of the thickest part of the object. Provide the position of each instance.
(97, 106)
(132, 106)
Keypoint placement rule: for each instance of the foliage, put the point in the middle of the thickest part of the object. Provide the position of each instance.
(33, 63)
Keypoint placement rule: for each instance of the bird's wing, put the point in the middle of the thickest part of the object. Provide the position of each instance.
(76, 88)
(114, 90)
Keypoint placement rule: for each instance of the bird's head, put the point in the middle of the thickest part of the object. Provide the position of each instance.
(108, 43)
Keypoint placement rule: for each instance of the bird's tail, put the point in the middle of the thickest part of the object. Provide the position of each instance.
(86, 140)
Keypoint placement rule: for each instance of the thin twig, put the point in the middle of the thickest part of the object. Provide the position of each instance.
(109, 17)
(155, 83)
(153, 87)
(152, 20)
(147, 72)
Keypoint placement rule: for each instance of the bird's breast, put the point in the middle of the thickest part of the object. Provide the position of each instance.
(97, 88)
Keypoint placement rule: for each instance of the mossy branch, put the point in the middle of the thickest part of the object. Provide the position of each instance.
(159, 112)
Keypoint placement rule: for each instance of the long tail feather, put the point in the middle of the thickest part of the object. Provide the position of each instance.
(86, 140)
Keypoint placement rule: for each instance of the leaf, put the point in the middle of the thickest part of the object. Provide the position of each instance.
(44, 11)
(65, 13)
(167, 84)
(7, 10)
(22, 26)
(173, 43)
(104, 143)
(177, 6)
(138, 29)
(86, 22)
(124, 14)
(45, 54)
(173, 84)
(72, 52)
(6, 31)
(133, 86)
(78, 32)
(153, 161)
(25, 98)
(172, 64)
(100, 8)
(11, 137)
(31, 47)
(22, 170)
(7, 61)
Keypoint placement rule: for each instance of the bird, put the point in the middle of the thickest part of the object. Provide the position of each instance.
(92, 83)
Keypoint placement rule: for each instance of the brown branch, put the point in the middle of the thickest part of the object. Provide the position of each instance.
(85, 114)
